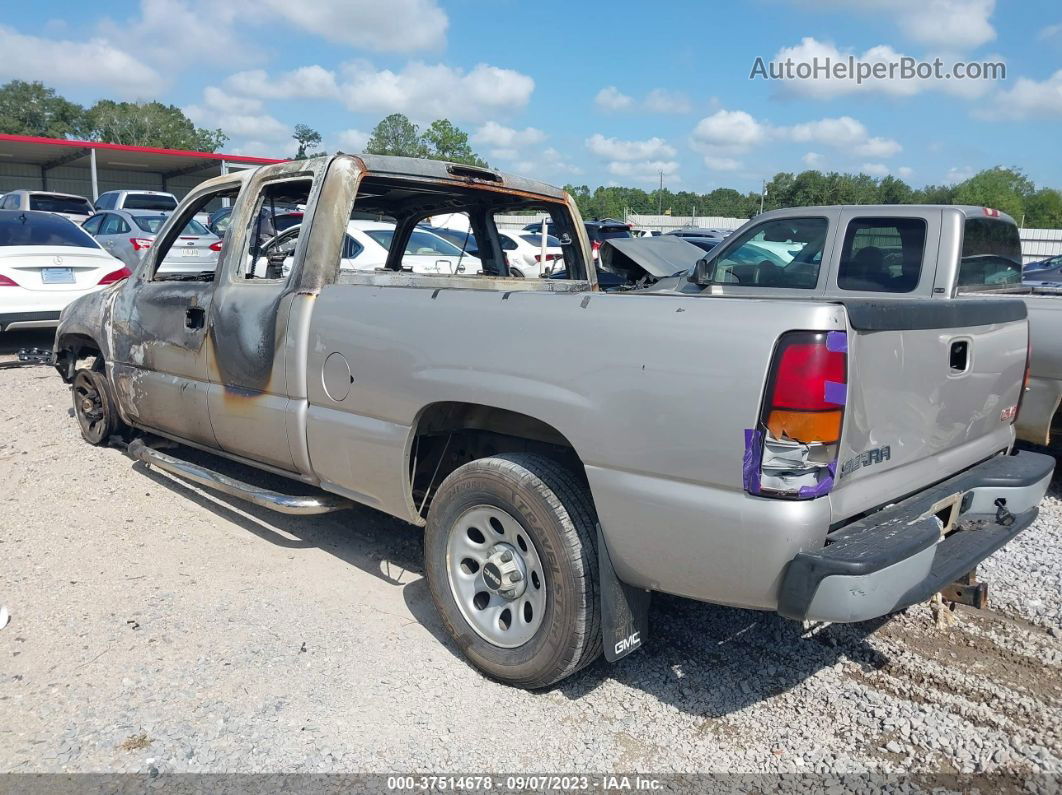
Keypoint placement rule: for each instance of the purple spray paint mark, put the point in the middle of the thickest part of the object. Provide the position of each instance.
(837, 342)
(820, 489)
(750, 466)
(835, 392)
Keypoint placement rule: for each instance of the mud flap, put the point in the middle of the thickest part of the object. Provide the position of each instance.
(624, 609)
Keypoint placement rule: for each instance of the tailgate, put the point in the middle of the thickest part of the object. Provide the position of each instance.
(933, 388)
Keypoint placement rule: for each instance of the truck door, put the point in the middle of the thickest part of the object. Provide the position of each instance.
(249, 402)
(162, 355)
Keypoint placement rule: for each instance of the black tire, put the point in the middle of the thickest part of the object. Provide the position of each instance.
(555, 508)
(516, 273)
(94, 407)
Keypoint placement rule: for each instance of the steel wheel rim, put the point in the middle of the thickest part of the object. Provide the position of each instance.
(498, 619)
(88, 405)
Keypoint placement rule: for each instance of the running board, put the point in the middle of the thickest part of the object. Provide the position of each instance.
(284, 503)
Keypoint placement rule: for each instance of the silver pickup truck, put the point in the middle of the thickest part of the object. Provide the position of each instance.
(567, 450)
(898, 251)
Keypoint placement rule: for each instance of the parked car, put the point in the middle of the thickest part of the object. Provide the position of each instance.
(157, 200)
(1051, 263)
(127, 234)
(271, 221)
(69, 206)
(523, 250)
(569, 450)
(46, 261)
(597, 230)
(366, 246)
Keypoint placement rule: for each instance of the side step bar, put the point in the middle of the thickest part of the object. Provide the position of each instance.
(284, 503)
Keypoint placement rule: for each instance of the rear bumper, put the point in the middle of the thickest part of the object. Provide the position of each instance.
(895, 558)
(16, 320)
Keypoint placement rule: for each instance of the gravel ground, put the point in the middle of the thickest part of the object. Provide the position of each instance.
(157, 626)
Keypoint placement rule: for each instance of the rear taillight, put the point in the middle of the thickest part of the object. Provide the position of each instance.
(793, 451)
(141, 243)
(116, 276)
(595, 246)
(215, 246)
(7, 282)
(549, 257)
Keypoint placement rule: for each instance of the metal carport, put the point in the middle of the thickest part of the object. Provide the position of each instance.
(89, 168)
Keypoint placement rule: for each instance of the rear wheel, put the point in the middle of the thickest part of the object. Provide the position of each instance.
(94, 407)
(511, 561)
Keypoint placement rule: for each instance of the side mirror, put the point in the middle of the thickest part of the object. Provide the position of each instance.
(701, 271)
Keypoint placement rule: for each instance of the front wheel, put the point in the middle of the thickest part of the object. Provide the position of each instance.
(511, 561)
(94, 406)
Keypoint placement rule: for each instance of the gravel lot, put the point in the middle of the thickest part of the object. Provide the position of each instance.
(155, 625)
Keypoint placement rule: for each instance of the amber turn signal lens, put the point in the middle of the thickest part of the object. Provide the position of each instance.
(806, 426)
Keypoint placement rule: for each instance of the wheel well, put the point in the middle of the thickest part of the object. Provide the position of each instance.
(451, 434)
(71, 349)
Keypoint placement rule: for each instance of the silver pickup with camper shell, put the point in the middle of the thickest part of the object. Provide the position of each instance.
(567, 450)
(897, 251)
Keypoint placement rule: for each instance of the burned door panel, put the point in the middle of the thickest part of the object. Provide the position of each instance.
(249, 402)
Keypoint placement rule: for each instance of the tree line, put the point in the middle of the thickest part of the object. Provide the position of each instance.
(1006, 189)
(31, 108)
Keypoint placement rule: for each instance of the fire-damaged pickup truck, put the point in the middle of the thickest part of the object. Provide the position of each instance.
(567, 450)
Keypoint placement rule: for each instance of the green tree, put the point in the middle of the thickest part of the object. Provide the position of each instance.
(148, 124)
(396, 135)
(1043, 209)
(894, 191)
(35, 109)
(1005, 189)
(443, 141)
(306, 137)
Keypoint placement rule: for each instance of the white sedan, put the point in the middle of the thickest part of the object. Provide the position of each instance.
(367, 243)
(523, 250)
(46, 262)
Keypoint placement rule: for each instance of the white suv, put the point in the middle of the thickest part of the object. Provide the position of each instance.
(137, 200)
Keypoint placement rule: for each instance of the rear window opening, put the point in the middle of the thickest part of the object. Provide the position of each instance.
(33, 229)
(148, 201)
(991, 255)
(51, 203)
(452, 230)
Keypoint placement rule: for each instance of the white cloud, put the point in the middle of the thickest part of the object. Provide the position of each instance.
(277, 149)
(729, 130)
(611, 98)
(814, 53)
(659, 100)
(875, 169)
(352, 140)
(238, 117)
(905, 172)
(175, 34)
(425, 91)
(728, 133)
(394, 26)
(948, 24)
(504, 154)
(1026, 99)
(494, 134)
(65, 63)
(958, 174)
(722, 163)
(843, 133)
(1050, 32)
(645, 170)
(616, 149)
(306, 82)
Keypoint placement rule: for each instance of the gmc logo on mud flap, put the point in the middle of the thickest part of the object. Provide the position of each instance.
(629, 643)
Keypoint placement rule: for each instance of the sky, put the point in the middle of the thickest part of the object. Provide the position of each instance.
(581, 93)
